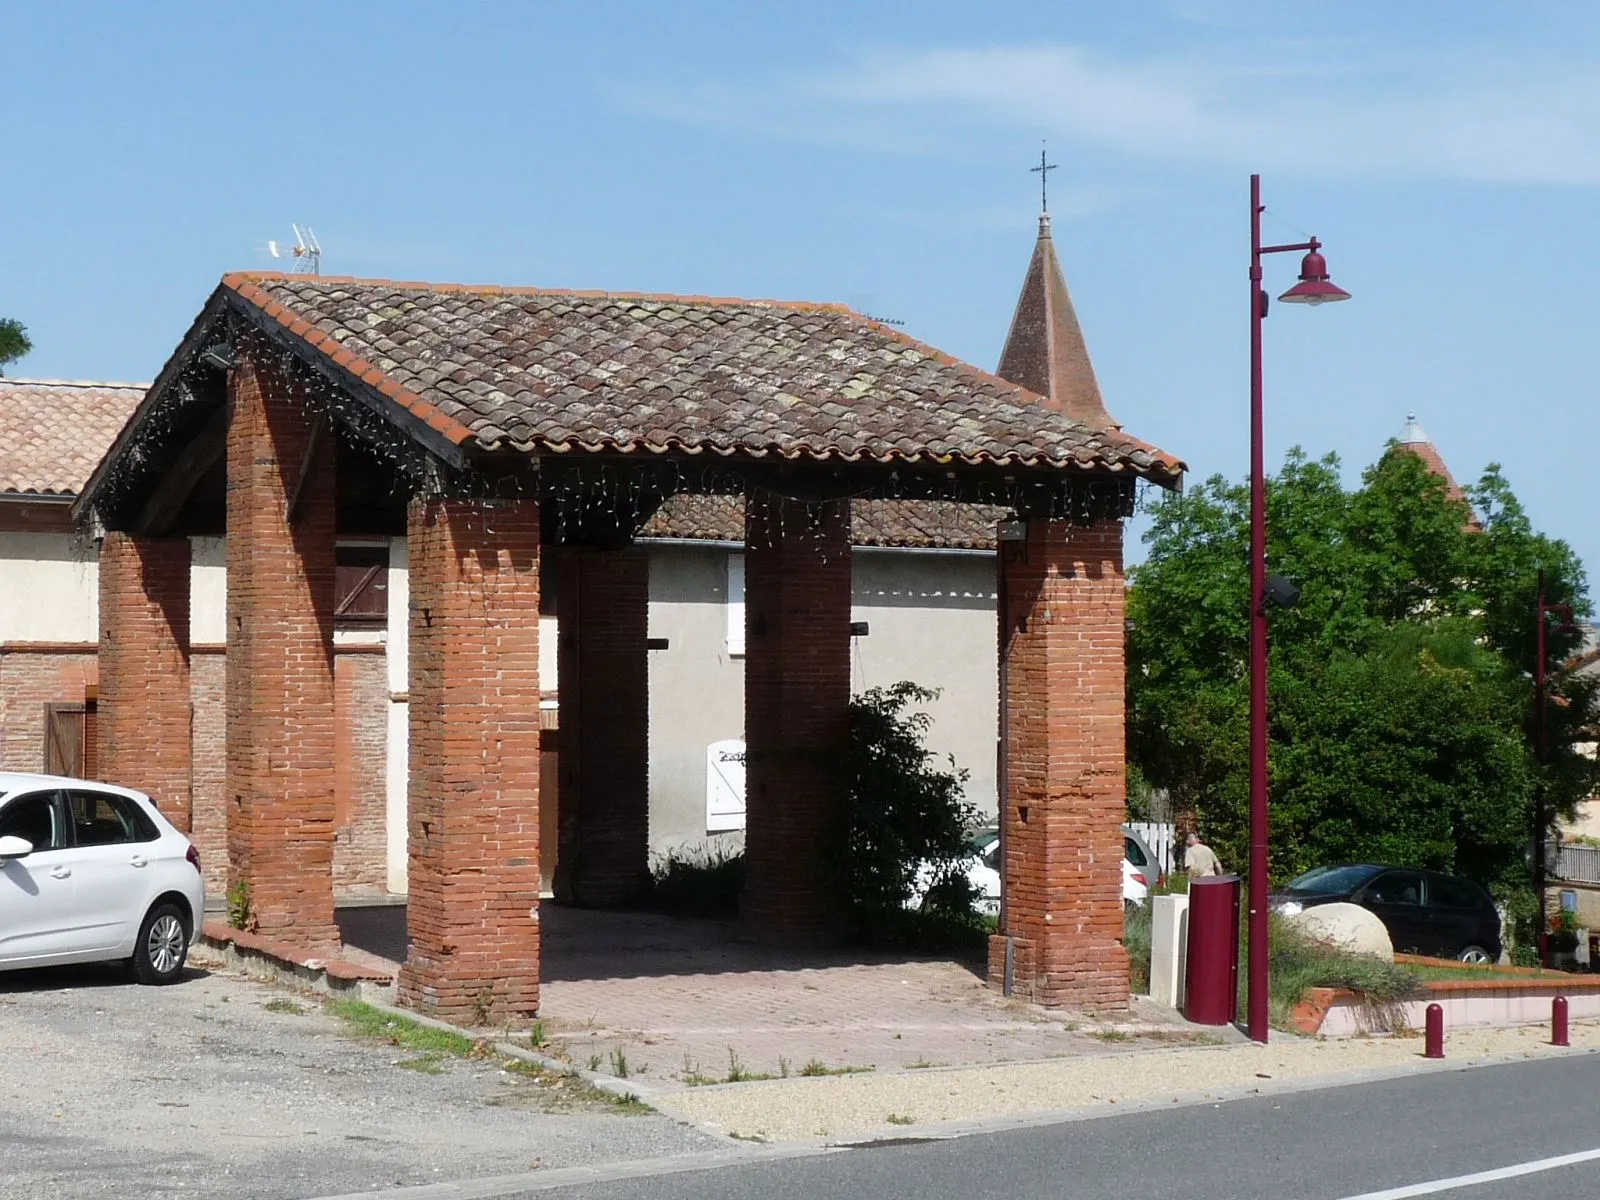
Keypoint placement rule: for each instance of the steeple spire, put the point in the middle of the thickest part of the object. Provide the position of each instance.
(1414, 440)
(1045, 352)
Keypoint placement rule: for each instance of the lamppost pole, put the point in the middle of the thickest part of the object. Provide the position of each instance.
(1256, 1004)
(1313, 288)
(1538, 794)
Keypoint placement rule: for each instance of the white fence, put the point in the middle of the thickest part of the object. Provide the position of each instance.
(1159, 836)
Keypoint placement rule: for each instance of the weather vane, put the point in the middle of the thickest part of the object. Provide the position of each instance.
(1043, 169)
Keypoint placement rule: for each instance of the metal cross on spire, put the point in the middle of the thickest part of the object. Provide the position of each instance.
(1043, 169)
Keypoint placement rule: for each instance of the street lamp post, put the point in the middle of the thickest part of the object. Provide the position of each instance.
(1540, 700)
(1313, 288)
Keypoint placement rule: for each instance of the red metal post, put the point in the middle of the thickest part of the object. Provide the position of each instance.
(1538, 795)
(1433, 1046)
(1256, 1003)
(1558, 1022)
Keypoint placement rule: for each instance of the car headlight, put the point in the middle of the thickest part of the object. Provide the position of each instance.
(1290, 908)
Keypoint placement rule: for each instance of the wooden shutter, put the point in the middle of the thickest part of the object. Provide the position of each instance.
(63, 740)
(362, 585)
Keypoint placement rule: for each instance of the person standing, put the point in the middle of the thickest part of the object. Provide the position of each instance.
(1198, 858)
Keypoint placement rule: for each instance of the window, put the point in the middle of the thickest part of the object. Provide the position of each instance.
(1397, 887)
(361, 582)
(99, 819)
(1132, 852)
(33, 818)
(736, 604)
(1444, 892)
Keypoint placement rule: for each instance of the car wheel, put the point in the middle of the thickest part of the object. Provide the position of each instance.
(1475, 954)
(163, 945)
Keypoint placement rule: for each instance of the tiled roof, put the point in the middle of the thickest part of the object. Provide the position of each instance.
(53, 432)
(1413, 438)
(910, 523)
(547, 371)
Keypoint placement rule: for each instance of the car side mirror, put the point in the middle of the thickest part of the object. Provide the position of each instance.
(14, 847)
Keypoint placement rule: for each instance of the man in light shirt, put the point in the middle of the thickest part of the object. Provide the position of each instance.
(1199, 859)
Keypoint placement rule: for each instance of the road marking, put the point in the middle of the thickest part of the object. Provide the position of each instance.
(1466, 1181)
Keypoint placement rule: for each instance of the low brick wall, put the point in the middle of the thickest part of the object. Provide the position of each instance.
(1500, 998)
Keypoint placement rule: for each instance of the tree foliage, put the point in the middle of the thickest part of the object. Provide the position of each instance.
(14, 342)
(1400, 700)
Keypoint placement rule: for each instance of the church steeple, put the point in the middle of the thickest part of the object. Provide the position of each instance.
(1414, 440)
(1045, 352)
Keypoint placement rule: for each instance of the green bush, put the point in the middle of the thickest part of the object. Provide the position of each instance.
(1136, 939)
(902, 810)
(697, 881)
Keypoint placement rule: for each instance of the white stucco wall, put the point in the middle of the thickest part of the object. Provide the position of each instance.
(208, 591)
(51, 590)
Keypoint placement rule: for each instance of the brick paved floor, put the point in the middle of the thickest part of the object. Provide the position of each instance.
(690, 1001)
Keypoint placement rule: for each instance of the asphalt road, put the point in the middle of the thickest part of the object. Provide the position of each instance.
(1387, 1140)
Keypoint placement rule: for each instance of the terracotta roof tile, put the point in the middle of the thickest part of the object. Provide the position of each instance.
(922, 524)
(53, 432)
(540, 370)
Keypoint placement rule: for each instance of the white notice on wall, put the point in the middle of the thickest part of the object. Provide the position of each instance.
(725, 786)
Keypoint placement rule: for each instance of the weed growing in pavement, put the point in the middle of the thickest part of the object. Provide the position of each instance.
(897, 1119)
(783, 1067)
(594, 1062)
(398, 1031)
(240, 915)
(282, 1005)
(619, 1062)
(923, 1064)
(817, 1067)
(1111, 1035)
(692, 1075)
(537, 1038)
(736, 1071)
(480, 1007)
(745, 1137)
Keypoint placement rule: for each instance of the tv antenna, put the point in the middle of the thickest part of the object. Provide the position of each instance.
(306, 253)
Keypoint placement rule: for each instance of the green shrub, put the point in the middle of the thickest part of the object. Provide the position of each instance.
(1296, 962)
(697, 881)
(1136, 939)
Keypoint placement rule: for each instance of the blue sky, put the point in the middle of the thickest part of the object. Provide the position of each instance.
(1448, 154)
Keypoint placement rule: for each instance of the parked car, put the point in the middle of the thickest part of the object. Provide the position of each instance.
(91, 872)
(982, 864)
(1425, 912)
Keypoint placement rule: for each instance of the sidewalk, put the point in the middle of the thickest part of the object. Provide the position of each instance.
(918, 1103)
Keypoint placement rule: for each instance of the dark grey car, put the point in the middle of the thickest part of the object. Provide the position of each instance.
(1425, 912)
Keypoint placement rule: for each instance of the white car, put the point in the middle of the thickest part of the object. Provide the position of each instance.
(982, 869)
(91, 872)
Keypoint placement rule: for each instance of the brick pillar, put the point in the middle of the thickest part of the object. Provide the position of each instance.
(1063, 671)
(280, 693)
(603, 606)
(144, 709)
(796, 711)
(473, 806)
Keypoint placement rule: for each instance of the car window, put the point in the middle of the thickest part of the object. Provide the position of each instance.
(1332, 881)
(1133, 852)
(1396, 887)
(100, 819)
(1445, 892)
(34, 818)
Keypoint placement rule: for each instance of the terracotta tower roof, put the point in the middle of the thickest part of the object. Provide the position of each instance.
(1044, 351)
(1415, 440)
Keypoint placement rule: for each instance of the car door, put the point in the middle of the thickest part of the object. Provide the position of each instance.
(1397, 899)
(37, 891)
(1455, 912)
(114, 865)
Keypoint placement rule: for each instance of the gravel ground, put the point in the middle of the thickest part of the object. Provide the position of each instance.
(904, 1104)
(203, 1089)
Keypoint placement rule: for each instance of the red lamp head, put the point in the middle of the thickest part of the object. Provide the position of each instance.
(1314, 287)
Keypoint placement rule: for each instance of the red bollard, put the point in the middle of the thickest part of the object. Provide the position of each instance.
(1558, 1022)
(1434, 1043)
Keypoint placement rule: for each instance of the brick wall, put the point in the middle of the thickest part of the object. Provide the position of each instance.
(361, 713)
(30, 679)
(797, 723)
(208, 670)
(280, 688)
(144, 701)
(473, 806)
(1062, 628)
(604, 754)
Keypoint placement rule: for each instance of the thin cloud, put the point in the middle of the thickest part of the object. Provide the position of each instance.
(1324, 111)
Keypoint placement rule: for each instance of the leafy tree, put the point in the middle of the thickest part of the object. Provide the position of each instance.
(1399, 714)
(14, 342)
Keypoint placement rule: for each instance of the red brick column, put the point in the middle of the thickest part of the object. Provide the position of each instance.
(603, 605)
(144, 710)
(796, 711)
(474, 797)
(1062, 635)
(280, 694)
